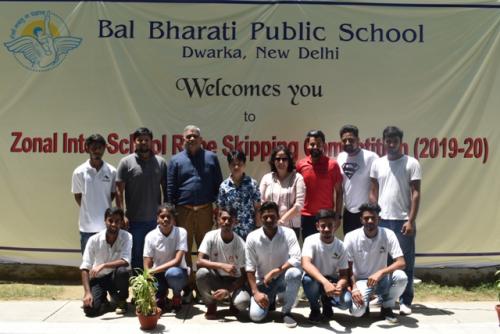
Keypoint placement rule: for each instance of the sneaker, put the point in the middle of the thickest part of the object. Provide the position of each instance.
(404, 309)
(121, 307)
(367, 312)
(211, 313)
(289, 321)
(387, 314)
(314, 316)
(176, 303)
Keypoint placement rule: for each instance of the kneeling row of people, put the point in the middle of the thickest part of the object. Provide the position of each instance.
(333, 273)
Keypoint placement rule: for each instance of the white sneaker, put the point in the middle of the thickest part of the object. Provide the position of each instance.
(289, 321)
(404, 309)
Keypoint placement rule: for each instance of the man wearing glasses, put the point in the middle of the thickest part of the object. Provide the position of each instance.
(193, 180)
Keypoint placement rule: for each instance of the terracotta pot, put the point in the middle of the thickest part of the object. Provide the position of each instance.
(149, 321)
(497, 307)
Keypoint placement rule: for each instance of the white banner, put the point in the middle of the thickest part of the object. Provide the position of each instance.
(251, 76)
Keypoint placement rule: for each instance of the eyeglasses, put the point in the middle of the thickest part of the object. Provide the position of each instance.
(281, 159)
(191, 136)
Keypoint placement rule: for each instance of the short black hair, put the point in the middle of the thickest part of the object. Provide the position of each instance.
(392, 132)
(371, 207)
(325, 214)
(348, 128)
(269, 205)
(142, 132)
(239, 155)
(114, 211)
(232, 211)
(316, 134)
(95, 139)
(279, 148)
(167, 206)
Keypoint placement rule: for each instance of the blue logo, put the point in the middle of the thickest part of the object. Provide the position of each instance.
(40, 41)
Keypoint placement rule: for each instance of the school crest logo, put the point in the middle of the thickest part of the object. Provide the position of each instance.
(40, 41)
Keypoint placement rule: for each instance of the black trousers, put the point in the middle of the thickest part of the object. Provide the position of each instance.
(116, 283)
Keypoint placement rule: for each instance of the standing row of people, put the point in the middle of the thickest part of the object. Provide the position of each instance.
(193, 181)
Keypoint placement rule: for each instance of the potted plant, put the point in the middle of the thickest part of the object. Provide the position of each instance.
(497, 287)
(143, 290)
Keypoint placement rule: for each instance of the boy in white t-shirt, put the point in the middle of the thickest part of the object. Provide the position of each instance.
(324, 261)
(273, 265)
(368, 249)
(221, 267)
(396, 179)
(164, 253)
(105, 266)
(93, 185)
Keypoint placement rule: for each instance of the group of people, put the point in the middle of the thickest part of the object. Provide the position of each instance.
(254, 255)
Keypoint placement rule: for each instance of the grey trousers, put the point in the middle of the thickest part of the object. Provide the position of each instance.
(208, 280)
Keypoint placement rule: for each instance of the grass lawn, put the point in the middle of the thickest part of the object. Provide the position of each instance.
(423, 292)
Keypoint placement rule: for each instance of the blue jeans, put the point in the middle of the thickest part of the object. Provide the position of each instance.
(174, 278)
(289, 283)
(139, 231)
(308, 224)
(314, 289)
(84, 238)
(389, 288)
(407, 244)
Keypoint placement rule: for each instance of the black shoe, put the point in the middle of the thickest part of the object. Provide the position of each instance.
(387, 314)
(367, 312)
(314, 316)
(327, 313)
(272, 306)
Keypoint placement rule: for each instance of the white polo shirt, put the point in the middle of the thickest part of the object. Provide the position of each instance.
(368, 255)
(328, 258)
(98, 251)
(356, 177)
(96, 188)
(217, 250)
(162, 248)
(264, 254)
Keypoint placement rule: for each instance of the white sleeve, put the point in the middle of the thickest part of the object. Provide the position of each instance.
(77, 183)
(240, 253)
(394, 248)
(149, 248)
(181, 240)
(300, 192)
(262, 188)
(343, 261)
(293, 248)
(307, 248)
(88, 255)
(415, 170)
(348, 245)
(250, 256)
(126, 251)
(205, 244)
(373, 169)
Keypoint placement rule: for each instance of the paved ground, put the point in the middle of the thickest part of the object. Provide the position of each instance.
(56, 317)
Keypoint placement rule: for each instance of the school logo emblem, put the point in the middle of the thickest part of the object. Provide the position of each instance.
(40, 41)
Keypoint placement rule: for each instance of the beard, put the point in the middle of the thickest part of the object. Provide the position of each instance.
(315, 153)
(349, 149)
